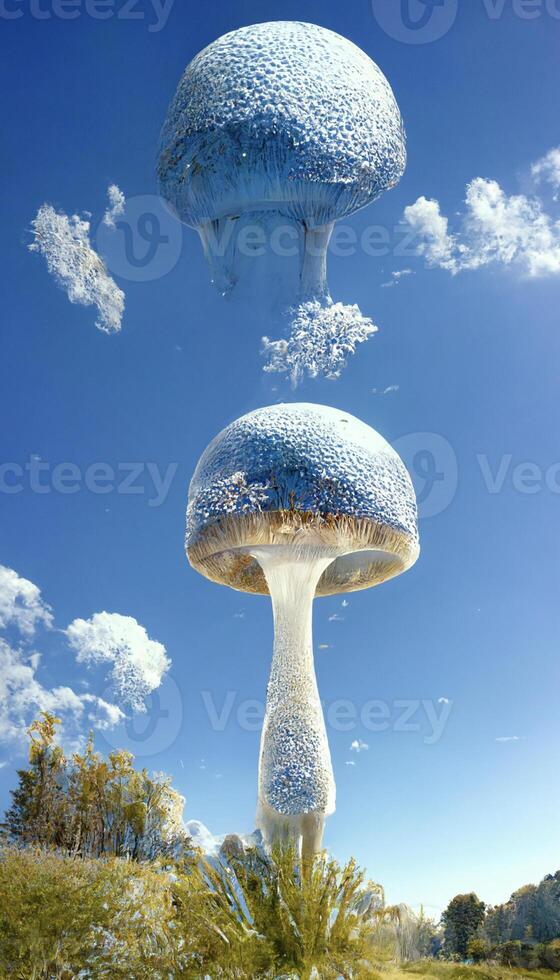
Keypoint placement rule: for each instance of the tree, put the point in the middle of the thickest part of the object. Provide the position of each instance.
(461, 920)
(478, 950)
(532, 913)
(91, 806)
(38, 811)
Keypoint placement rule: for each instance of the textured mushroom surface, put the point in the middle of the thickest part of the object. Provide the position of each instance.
(298, 500)
(277, 130)
(301, 471)
(282, 112)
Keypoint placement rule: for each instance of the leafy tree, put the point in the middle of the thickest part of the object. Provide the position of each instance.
(91, 806)
(38, 811)
(461, 920)
(532, 914)
(478, 950)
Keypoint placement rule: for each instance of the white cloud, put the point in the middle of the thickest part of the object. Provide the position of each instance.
(336, 618)
(396, 278)
(21, 604)
(345, 603)
(76, 266)
(350, 762)
(22, 696)
(443, 701)
(359, 746)
(138, 663)
(389, 390)
(510, 738)
(116, 207)
(496, 228)
(547, 170)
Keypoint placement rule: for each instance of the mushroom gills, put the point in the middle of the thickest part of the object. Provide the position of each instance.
(296, 782)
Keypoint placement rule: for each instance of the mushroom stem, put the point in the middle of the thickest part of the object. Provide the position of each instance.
(314, 284)
(296, 783)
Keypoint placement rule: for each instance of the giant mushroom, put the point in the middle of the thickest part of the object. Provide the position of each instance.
(276, 131)
(298, 501)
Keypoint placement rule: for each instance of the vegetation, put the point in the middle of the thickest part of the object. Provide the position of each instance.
(99, 880)
(91, 807)
(461, 921)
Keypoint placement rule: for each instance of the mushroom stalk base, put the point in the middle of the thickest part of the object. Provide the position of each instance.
(296, 783)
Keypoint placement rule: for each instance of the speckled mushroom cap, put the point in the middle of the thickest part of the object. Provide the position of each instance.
(280, 113)
(303, 474)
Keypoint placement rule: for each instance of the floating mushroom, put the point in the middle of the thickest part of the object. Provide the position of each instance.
(276, 131)
(296, 501)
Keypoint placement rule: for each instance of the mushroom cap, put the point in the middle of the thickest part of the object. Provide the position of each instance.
(281, 113)
(304, 475)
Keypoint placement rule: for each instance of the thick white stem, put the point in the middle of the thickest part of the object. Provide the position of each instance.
(314, 284)
(296, 783)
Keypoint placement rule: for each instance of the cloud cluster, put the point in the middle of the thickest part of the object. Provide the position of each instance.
(496, 228)
(138, 663)
(116, 207)
(64, 243)
(21, 604)
(22, 696)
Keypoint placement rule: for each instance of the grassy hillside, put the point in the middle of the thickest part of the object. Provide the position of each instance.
(439, 970)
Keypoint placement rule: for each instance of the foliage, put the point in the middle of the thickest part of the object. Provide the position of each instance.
(90, 806)
(278, 915)
(531, 914)
(61, 915)
(478, 950)
(461, 921)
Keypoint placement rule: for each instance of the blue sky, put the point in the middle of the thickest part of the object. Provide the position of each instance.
(474, 357)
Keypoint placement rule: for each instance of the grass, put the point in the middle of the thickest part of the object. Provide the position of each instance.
(438, 970)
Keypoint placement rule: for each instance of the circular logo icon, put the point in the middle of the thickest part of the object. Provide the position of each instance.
(415, 21)
(142, 242)
(432, 464)
(152, 731)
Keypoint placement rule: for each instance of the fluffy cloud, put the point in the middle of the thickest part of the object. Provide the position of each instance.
(21, 604)
(547, 170)
(138, 663)
(22, 696)
(359, 746)
(64, 243)
(116, 207)
(495, 228)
